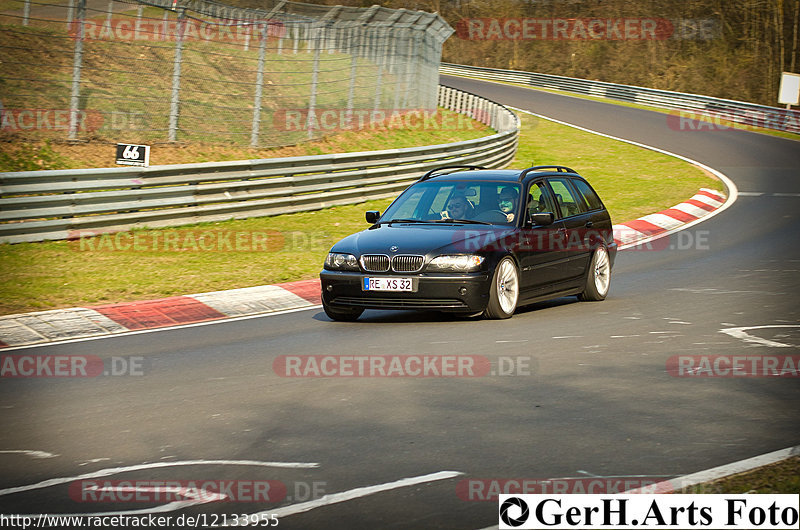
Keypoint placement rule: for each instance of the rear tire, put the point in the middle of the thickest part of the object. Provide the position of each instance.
(598, 278)
(504, 290)
(342, 315)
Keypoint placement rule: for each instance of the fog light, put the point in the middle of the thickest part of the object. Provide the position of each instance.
(462, 291)
(329, 288)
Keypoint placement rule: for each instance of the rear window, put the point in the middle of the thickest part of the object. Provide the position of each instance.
(589, 196)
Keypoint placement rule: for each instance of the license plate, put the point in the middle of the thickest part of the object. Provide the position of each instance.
(389, 284)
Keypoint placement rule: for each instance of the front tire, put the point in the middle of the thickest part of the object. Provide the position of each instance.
(598, 278)
(504, 290)
(342, 315)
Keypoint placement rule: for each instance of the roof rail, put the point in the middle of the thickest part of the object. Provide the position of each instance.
(430, 174)
(560, 169)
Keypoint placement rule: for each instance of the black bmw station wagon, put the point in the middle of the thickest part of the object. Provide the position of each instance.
(471, 240)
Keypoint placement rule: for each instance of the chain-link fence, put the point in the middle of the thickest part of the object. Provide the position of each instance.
(198, 71)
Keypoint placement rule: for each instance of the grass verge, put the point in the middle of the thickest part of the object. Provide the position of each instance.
(40, 276)
(781, 477)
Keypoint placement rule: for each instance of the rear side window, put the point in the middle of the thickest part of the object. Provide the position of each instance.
(591, 198)
(566, 203)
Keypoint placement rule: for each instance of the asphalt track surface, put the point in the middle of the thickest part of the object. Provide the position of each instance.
(593, 397)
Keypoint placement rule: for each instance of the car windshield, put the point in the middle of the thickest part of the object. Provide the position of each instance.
(457, 201)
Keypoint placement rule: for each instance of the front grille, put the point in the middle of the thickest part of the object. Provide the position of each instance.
(407, 263)
(375, 262)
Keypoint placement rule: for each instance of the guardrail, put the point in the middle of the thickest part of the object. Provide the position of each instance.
(67, 204)
(696, 106)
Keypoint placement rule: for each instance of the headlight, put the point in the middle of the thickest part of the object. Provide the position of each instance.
(341, 262)
(456, 263)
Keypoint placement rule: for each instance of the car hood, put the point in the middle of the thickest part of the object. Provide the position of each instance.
(424, 239)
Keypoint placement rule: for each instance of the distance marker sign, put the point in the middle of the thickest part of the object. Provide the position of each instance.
(133, 155)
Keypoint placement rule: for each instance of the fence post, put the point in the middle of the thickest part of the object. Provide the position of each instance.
(26, 12)
(312, 99)
(70, 9)
(137, 26)
(262, 49)
(176, 78)
(380, 63)
(77, 62)
(351, 89)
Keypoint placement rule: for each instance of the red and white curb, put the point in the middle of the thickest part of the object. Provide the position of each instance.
(84, 322)
(649, 227)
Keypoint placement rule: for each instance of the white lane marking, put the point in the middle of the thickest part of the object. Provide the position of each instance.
(356, 493)
(740, 333)
(568, 337)
(114, 470)
(156, 330)
(93, 461)
(623, 336)
(32, 454)
(733, 191)
(765, 194)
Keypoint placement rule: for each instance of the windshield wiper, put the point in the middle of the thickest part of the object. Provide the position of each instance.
(462, 221)
(457, 221)
(405, 221)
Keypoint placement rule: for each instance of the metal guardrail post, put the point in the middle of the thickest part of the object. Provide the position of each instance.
(174, 109)
(77, 62)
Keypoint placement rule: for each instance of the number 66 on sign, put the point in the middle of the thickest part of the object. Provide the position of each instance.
(133, 155)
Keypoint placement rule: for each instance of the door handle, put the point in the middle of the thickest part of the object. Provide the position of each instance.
(589, 224)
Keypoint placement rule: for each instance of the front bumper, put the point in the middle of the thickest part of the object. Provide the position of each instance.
(441, 292)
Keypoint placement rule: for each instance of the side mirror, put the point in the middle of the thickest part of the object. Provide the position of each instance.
(543, 219)
(372, 216)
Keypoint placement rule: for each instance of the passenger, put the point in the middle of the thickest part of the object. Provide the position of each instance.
(509, 200)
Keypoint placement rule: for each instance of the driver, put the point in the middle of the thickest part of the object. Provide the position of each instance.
(509, 199)
(457, 208)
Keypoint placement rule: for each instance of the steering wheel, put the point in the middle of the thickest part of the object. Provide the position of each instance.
(492, 216)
